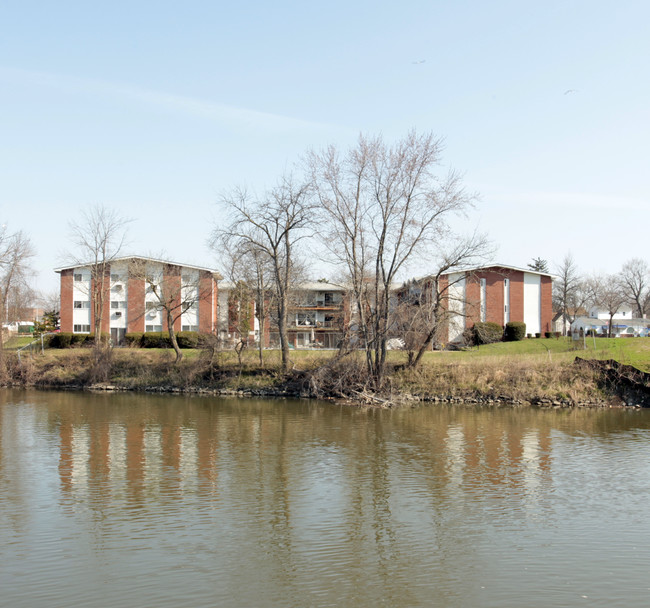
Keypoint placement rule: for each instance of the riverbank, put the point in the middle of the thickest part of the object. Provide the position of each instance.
(538, 372)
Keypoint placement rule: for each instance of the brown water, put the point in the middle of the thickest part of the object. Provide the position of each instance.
(131, 500)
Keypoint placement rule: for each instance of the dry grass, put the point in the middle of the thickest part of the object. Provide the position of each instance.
(514, 371)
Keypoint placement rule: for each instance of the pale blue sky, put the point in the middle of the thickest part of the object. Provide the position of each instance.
(154, 108)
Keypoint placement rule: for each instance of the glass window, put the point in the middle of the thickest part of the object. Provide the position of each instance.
(81, 329)
(81, 304)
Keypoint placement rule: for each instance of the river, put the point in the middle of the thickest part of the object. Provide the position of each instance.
(159, 500)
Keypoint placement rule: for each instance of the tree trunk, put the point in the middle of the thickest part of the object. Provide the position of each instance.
(172, 338)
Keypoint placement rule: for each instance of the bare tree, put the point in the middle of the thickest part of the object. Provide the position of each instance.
(570, 292)
(169, 290)
(272, 226)
(381, 206)
(607, 294)
(249, 265)
(635, 284)
(15, 253)
(98, 237)
(434, 307)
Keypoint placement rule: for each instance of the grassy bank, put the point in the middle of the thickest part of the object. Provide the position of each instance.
(531, 370)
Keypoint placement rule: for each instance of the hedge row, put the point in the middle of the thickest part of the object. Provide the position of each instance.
(67, 339)
(186, 339)
(156, 339)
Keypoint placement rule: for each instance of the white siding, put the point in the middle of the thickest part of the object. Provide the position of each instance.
(457, 305)
(532, 303)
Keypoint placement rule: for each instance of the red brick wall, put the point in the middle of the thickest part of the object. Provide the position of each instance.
(135, 304)
(207, 291)
(67, 300)
(516, 295)
(95, 286)
(494, 303)
(472, 300)
(172, 289)
(546, 303)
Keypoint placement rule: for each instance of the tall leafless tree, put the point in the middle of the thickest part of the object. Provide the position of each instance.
(569, 291)
(635, 284)
(98, 239)
(608, 295)
(15, 253)
(382, 206)
(272, 226)
(248, 264)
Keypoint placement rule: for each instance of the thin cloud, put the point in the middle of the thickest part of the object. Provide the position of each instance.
(181, 104)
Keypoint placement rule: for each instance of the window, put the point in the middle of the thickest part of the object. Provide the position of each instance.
(78, 277)
(81, 304)
(81, 329)
(115, 277)
(118, 304)
(153, 328)
(189, 328)
(151, 306)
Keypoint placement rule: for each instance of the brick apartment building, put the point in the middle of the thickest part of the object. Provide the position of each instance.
(134, 288)
(497, 294)
(318, 317)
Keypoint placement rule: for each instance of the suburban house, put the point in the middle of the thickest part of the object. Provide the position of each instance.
(318, 317)
(622, 326)
(135, 294)
(497, 293)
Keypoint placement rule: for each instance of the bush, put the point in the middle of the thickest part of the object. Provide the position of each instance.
(134, 339)
(515, 331)
(486, 333)
(187, 339)
(61, 340)
(538, 335)
(89, 339)
(548, 334)
(155, 339)
(79, 339)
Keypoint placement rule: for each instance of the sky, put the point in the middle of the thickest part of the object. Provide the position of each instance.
(156, 109)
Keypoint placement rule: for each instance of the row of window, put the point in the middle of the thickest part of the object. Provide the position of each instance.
(85, 329)
(185, 279)
(86, 304)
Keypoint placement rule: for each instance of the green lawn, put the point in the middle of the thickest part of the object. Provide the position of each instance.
(631, 351)
(16, 342)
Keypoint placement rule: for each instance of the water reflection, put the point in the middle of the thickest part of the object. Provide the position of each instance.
(195, 501)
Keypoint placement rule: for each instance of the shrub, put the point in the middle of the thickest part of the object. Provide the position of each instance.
(79, 339)
(486, 333)
(538, 335)
(134, 339)
(89, 339)
(155, 339)
(187, 339)
(61, 340)
(515, 331)
(548, 334)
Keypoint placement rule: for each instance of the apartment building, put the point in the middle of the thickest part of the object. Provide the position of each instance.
(318, 317)
(137, 293)
(496, 293)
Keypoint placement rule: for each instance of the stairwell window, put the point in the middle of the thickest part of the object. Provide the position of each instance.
(81, 329)
(81, 304)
